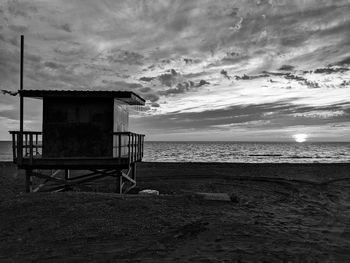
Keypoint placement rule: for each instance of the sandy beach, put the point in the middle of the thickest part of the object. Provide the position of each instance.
(277, 213)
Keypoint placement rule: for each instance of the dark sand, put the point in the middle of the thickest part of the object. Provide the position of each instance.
(279, 213)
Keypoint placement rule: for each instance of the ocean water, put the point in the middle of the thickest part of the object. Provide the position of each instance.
(248, 152)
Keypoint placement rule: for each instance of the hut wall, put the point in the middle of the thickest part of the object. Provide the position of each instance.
(77, 127)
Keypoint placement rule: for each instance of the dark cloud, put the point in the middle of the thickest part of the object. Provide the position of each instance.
(19, 28)
(121, 85)
(169, 79)
(33, 58)
(147, 79)
(202, 82)
(155, 104)
(178, 89)
(224, 73)
(286, 67)
(54, 65)
(345, 61)
(264, 116)
(345, 83)
(117, 55)
(151, 97)
(330, 70)
(247, 77)
(145, 89)
(65, 27)
(20, 8)
(69, 49)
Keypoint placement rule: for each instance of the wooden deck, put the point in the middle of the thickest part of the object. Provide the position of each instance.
(73, 163)
(28, 153)
(121, 164)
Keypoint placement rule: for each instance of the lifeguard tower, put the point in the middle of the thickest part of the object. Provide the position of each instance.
(81, 130)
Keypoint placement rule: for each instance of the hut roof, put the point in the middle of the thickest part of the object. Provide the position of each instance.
(128, 97)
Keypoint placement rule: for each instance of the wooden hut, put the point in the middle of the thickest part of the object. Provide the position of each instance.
(81, 130)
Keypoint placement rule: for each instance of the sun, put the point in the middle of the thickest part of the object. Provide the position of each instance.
(301, 137)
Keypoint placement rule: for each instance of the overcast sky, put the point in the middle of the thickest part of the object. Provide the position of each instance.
(210, 70)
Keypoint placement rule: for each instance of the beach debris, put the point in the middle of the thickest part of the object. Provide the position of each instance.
(149, 192)
(215, 196)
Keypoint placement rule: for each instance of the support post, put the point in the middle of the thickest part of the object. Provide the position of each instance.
(119, 183)
(14, 146)
(66, 174)
(133, 171)
(28, 183)
(20, 141)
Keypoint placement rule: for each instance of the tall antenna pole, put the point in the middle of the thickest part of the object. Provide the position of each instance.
(20, 141)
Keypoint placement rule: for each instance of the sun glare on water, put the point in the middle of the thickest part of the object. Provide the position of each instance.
(300, 137)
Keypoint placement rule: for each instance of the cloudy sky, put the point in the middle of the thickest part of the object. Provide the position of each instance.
(210, 70)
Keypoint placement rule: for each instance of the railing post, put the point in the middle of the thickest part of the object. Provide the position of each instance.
(138, 147)
(132, 147)
(120, 145)
(36, 144)
(142, 142)
(135, 147)
(31, 147)
(26, 144)
(139, 157)
(129, 147)
(13, 146)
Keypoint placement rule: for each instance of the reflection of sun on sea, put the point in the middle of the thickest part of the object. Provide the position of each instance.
(300, 137)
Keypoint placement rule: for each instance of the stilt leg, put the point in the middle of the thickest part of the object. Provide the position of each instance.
(28, 184)
(66, 177)
(119, 183)
(66, 174)
(133, 171)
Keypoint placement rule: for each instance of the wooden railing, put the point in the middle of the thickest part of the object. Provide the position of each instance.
(125, 145)
(31, 145)
(128, 144)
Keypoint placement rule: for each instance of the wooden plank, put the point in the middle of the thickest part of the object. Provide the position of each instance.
(83, 176)
(48, 177)
(126, 176)
(76, 163)
(40, 186)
